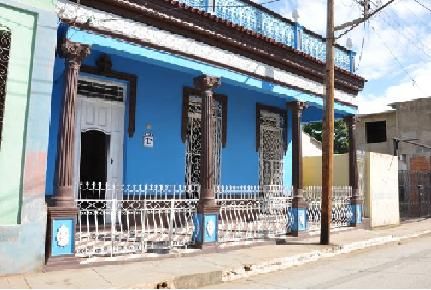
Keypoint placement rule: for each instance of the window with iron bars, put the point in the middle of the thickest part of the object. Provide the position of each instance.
(5, 40)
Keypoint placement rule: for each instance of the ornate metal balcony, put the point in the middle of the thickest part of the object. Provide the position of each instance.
(270, 24)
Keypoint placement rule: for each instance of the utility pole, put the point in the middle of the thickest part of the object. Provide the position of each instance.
(328, 122)
(328, 131)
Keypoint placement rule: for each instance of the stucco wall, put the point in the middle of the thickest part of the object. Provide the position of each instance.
(22, 26)
(414, 122)
(23, 152)
(391, 132)
(159, 103)
(312, 170)
(381, 192)
(310, 146)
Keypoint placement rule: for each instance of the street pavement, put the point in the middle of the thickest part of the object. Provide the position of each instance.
(403, 265)
(197, 269)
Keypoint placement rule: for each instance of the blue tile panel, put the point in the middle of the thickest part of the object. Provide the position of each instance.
(63, 237)
(206, 228)
(299, 216)
(356, 214)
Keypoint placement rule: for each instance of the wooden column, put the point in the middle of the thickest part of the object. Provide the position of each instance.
(356, 200)
(297, 177)
(60, 241)
(207, 217)
(353, 165)
(74, 54)
(298, 203)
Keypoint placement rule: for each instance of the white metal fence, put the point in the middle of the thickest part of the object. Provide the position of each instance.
(253, 212)
(117, 220)
(341, 208)
(138, 219)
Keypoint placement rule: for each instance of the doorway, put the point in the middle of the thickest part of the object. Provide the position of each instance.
(93, 167)
(99, 136)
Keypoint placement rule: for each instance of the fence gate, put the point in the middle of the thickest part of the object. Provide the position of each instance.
(414, 194)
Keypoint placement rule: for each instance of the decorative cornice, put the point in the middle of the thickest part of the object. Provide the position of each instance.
(74, 52)
(206, 83)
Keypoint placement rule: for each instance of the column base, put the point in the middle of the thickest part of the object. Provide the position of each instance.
(299, 225)
(356, 205)
(205, 235)
(60, 239)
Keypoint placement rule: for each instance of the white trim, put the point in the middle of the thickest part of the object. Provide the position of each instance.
(156, 36)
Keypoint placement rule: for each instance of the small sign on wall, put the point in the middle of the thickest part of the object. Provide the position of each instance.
(148, 140)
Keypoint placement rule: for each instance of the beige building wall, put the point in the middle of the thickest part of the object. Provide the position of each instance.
(312, 170)
(310, 146)
(413, 121)
(381, 189)
(391, 132)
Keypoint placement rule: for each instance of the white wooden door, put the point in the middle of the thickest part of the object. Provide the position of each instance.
(107, 116)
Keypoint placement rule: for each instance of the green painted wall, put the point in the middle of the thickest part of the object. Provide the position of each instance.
(22, 25)
(44, 4)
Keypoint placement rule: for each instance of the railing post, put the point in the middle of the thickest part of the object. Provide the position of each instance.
(299, 205)
(171, 222)
(206, 220)
(355, 200)
(352, 57)
(297, 36)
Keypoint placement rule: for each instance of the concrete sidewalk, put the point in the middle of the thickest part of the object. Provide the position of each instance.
(211, 268)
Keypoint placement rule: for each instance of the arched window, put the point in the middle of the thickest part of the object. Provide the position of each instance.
(5, 39)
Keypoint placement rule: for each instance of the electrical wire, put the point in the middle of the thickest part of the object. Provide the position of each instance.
(427, 8)
(414, 82)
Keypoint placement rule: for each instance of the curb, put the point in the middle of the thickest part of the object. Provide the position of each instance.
(199, 280)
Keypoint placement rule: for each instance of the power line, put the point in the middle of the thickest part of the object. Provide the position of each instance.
(405, 33)
(427, 8)
(414, 82)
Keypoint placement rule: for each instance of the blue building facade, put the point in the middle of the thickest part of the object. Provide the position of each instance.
(161, 78)
(126, 109)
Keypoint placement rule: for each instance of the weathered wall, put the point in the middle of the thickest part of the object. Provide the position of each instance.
(23, 154)
(310, 146)
(414, 122)
(391, 132)
(381, 191)
(312, 170)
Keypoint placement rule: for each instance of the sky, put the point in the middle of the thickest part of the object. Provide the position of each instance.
(393, 48)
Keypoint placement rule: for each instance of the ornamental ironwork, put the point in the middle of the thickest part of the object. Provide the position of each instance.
(5, 41)
(194, 140)
(271, 149)
(273, 26)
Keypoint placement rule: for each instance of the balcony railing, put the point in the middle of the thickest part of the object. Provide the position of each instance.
(272, 25)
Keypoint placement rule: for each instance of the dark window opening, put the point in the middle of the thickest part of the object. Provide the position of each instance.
(375, 131)
(5, 39)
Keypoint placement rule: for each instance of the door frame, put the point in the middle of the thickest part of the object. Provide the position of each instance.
(81, 100)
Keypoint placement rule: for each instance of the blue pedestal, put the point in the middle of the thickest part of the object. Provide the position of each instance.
(356, 214)
(206, 228)
(299, 222)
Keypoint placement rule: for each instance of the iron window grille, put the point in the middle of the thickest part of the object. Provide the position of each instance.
(5, 41)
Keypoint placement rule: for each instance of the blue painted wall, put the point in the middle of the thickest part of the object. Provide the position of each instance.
(159, 103)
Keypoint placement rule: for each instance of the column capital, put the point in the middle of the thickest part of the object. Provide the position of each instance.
(297, 105)
(351, 119)
(206, 83)
(74, 52)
